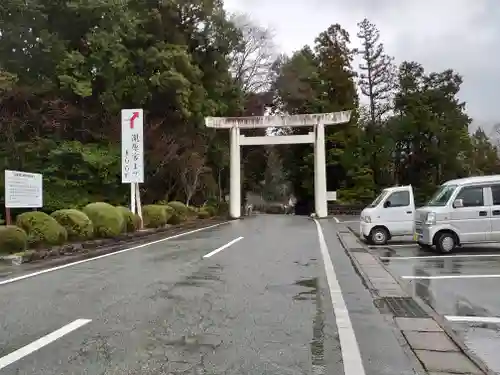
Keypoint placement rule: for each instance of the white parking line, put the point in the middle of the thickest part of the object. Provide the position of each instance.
(336, 220)
(395, 245)
(351, 357)
(23, 277)
(41, 342)
(443, 256)
(438, 277)
(473, 319)
(223, 247)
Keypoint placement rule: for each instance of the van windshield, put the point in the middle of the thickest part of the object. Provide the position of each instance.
(378, 199)
(442, 196)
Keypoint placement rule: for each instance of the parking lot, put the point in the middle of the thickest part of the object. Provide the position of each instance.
(463, 287)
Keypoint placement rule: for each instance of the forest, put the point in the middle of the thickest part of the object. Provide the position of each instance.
(68, 67)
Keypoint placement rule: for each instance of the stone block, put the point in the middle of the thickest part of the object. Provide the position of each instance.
(418, 325)
(435, 341)
(451, 362)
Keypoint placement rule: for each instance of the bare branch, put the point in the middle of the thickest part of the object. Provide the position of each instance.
(251, 63)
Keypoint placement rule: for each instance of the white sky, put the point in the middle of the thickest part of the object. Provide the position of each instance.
(460, 34)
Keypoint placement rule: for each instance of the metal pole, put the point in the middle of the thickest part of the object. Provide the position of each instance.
(132, 197)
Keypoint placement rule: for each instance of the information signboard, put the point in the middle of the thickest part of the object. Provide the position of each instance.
(132, 146)
(23, 189)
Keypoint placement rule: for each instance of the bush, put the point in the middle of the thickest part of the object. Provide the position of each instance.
(12, 239)
(107, 220)
(41, 228)
(154, 216)
(179, 207)
(77, 224)
(203, 214)
(173, 217)
(131, 221)
(212, 211)
(191, 211)
(223, 208)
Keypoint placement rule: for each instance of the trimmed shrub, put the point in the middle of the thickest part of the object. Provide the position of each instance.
(42, 229)
(179, 207)
(131, 221)
(203, 214)
(154, 216)
(12, 239)
(77, 224)
(192, 211)
(173, 218)
(180, 213)
(222, 208)
(107, 220)
(212, 211)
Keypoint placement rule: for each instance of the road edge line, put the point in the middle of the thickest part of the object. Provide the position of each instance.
(71, 264)
(352, 362)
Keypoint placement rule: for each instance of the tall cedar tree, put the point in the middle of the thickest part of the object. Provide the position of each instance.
(376, 83)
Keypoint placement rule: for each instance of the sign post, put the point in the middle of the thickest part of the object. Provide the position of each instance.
(133, 154)
(22, 190)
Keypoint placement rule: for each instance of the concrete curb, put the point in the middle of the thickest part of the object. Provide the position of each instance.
(440, 321)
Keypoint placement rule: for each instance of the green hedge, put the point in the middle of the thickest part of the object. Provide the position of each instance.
(101, 220)
(42, 229)
(77, 224)
(131, 221)
(179, 207)
(107, 220)
(12, 239)
(155, 216)
(203, 214)
(212, 211)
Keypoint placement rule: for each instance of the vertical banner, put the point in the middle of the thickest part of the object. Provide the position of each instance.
(132, 146)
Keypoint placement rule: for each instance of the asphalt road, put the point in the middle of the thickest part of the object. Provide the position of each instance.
(261, 304)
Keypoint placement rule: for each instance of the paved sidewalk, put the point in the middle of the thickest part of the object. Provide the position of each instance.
(425, 336)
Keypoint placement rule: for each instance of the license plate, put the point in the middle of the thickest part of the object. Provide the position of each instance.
(415, 236)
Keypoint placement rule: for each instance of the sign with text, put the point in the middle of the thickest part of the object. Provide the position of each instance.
(132, 146)
(331, 195)
(23, 190)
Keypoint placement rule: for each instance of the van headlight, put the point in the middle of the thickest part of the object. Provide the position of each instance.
(366, 219)
(430, 218)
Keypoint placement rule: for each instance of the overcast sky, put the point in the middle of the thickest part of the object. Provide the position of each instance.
(460, 34)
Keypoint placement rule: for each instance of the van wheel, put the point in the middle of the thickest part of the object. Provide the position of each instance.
(379, 236)
(446, 242)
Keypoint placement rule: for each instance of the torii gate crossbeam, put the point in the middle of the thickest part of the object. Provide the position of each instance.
(317, 137)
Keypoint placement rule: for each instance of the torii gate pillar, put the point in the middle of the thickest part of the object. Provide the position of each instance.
(235, 174)
(320, 202)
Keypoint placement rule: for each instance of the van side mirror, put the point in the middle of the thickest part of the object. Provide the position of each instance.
(458, 203)
(387, 204)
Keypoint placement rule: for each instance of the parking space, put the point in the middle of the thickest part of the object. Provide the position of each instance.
(463, 287)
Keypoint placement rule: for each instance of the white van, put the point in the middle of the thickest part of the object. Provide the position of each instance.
(391, 214)
(463, 211)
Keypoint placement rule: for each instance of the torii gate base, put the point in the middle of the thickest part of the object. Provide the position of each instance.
(317, 137)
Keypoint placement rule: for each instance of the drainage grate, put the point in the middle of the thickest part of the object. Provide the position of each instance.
(404, 307)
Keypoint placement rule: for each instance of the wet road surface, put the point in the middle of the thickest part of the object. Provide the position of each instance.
(262, 305)
(463, 287)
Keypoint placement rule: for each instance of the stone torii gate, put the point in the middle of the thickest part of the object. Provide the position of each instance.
(318, 121)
